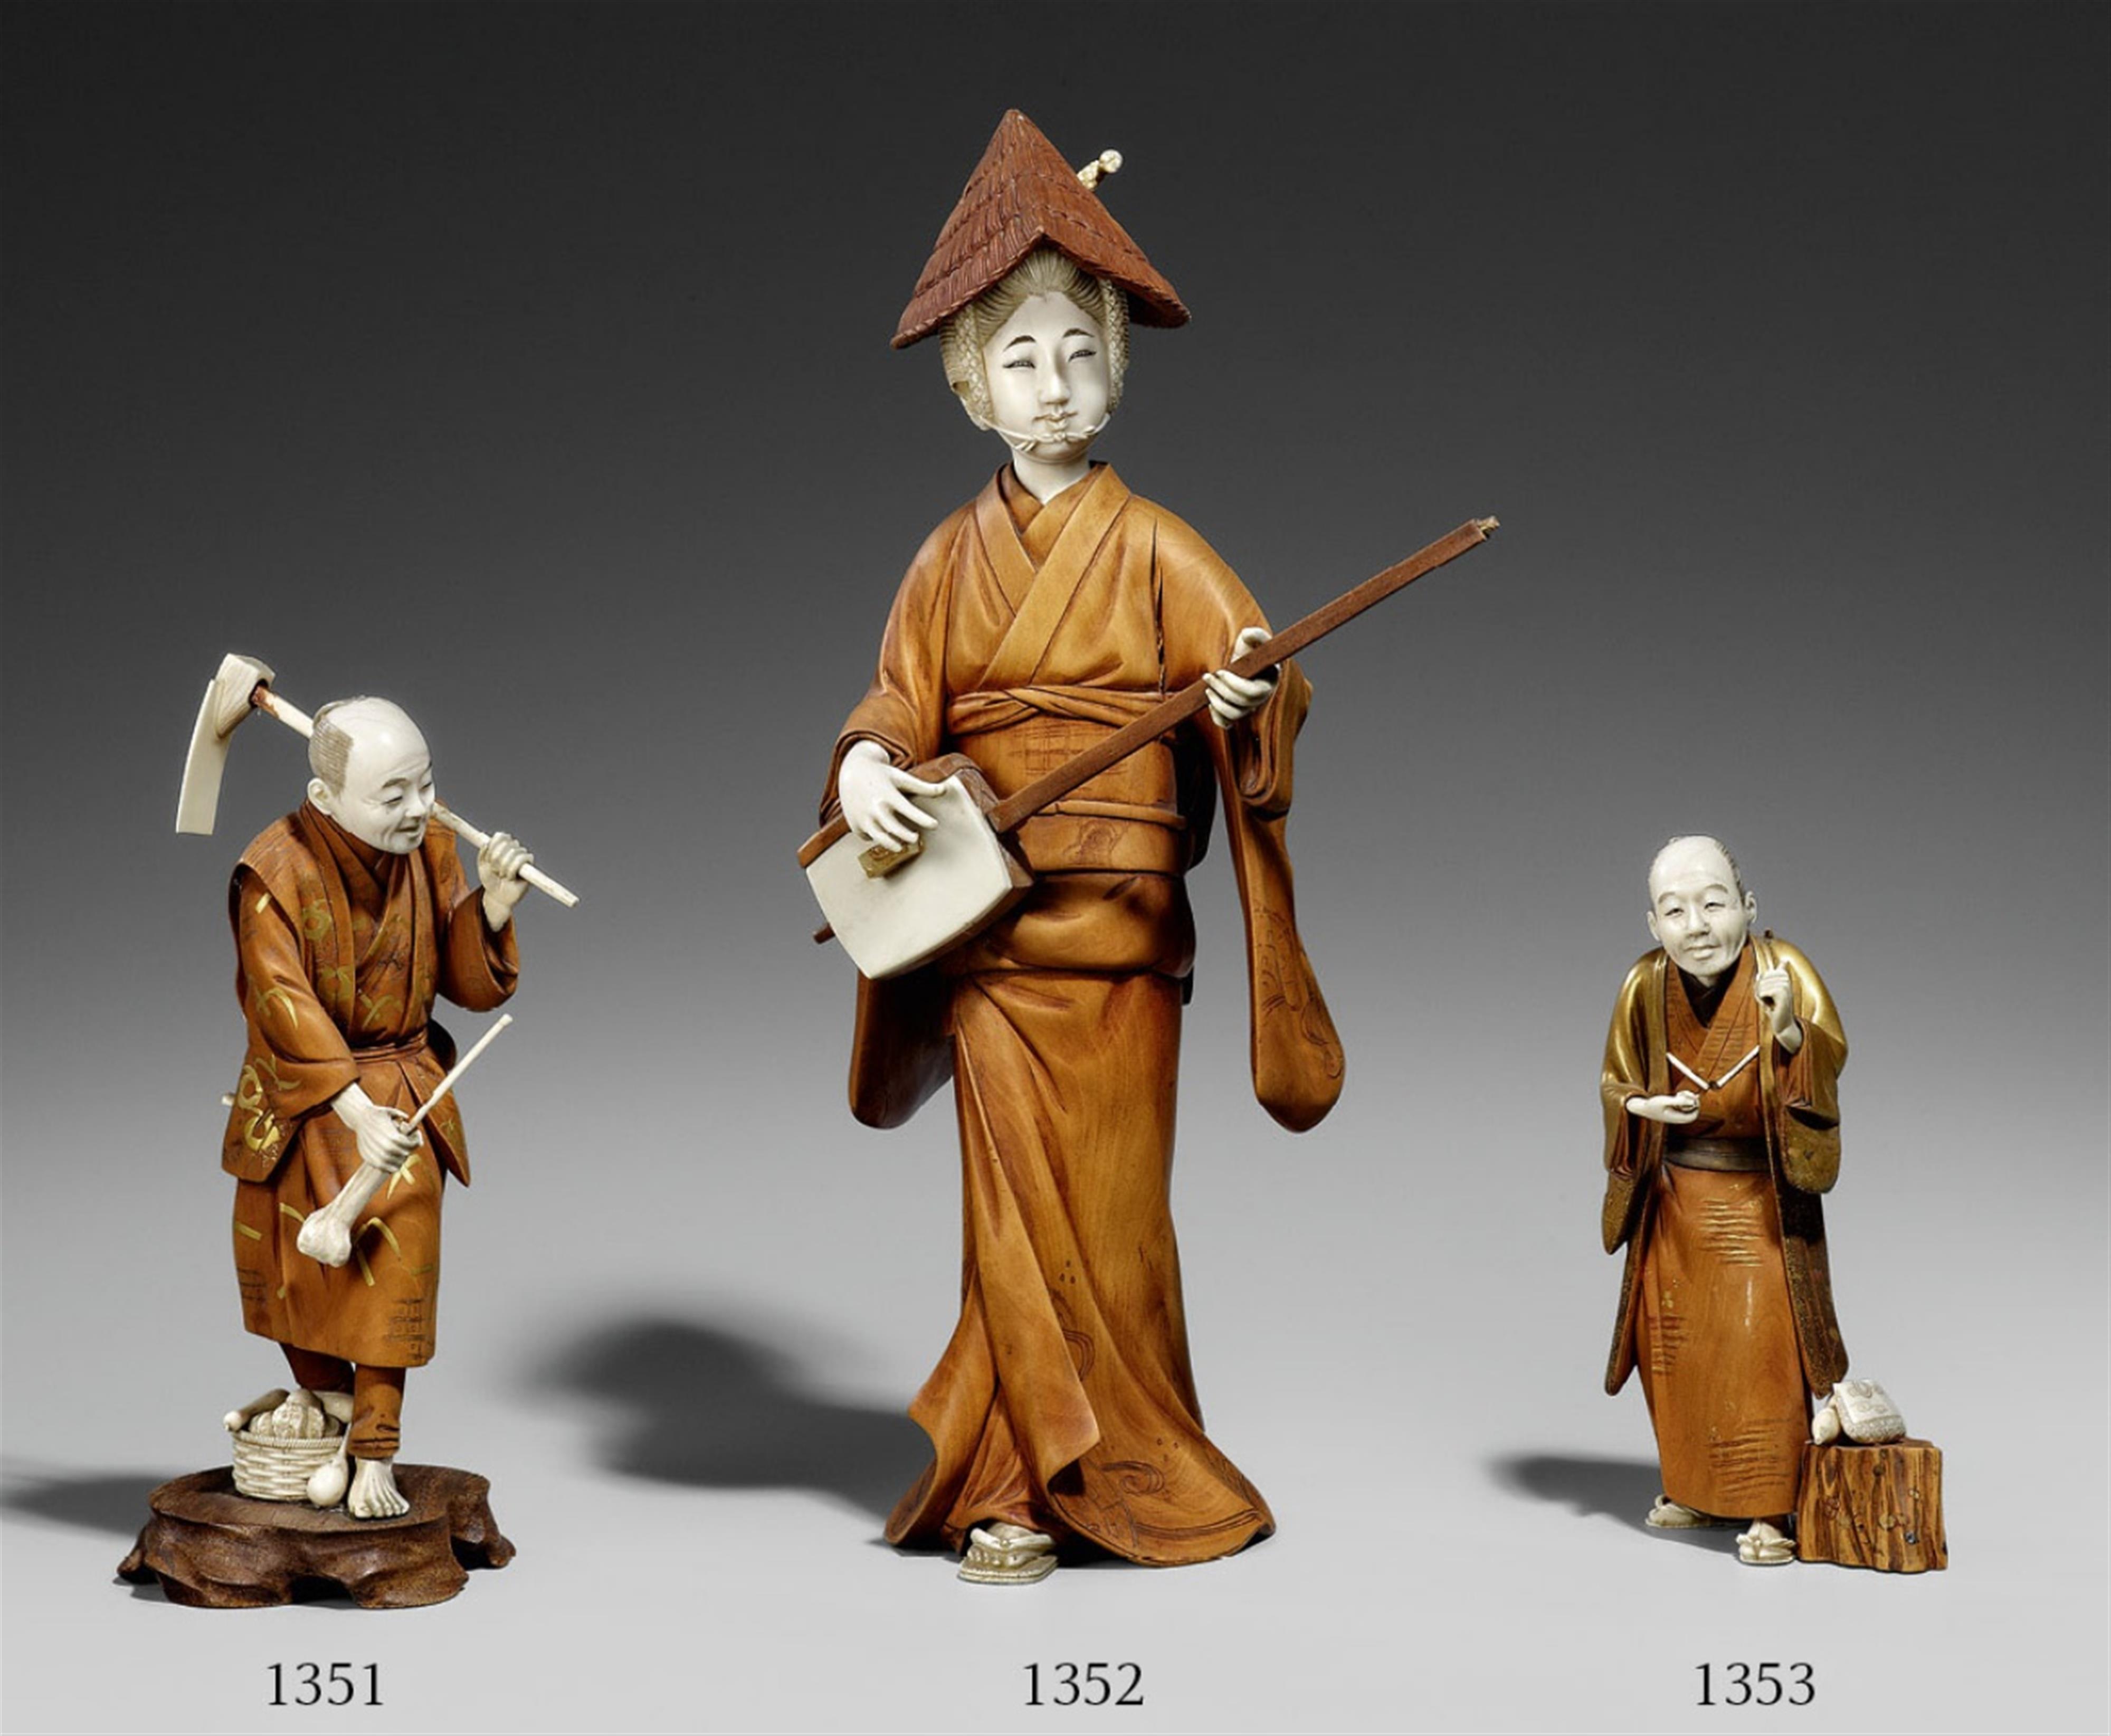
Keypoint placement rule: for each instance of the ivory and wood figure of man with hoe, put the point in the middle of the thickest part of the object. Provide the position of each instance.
(351, 917)
(1033, 726)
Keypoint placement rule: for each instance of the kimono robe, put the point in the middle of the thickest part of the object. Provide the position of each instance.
(1022, 633)
(1726, 1304)
(341, 949)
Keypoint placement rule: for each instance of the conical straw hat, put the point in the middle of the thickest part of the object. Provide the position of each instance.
(1023, 195)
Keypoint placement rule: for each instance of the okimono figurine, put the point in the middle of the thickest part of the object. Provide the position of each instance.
(1039, 622)
(352, 916)
(1721, 1099)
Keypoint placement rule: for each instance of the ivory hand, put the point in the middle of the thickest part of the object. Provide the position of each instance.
(1675, 1110)
(386, 1138)
(499, 861)
(875, 796)
(1777, 994)
(1232, 697)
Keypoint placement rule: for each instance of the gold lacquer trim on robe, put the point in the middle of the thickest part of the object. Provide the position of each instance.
(263, 1134)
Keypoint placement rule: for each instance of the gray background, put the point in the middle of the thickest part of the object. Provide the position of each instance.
(528, 365)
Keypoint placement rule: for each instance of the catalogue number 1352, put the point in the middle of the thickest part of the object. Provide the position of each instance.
(1084, 1684)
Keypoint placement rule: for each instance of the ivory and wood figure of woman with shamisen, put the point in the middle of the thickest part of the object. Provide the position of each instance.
(1051, 609)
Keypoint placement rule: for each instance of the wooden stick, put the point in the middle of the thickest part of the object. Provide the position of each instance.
(298, 720)
(530, 872)
(448, 1083)
(1015, 811)
(292, 715)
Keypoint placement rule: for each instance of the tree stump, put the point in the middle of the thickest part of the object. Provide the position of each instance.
(213, 1548)
(1873, 1506)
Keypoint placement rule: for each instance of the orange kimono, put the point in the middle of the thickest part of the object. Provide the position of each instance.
(341, 949)
(1726, 1304)
(1022, 632)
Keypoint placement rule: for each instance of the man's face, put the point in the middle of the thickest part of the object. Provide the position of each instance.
(1048, 377)
(387, 793)
(1695, 912)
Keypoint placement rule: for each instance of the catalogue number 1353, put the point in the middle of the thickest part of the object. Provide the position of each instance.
(1757, 1685)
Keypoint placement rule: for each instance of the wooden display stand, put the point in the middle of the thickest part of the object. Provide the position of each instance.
(212, 1549)
(1873, 1506)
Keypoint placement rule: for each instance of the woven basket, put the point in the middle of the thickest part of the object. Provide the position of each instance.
(272, 1467)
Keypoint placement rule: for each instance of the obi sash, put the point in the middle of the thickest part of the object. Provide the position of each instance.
(1126, 819)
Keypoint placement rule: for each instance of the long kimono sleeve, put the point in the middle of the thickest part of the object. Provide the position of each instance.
(1205, 608)
(1807, 1088)
(1801, 1101)
(900, 1053)
(297, 1058)
(904, 709)
(1632, 1067)
(1297, 1059)
(478, 969)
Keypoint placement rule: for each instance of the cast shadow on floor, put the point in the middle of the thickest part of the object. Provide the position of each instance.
(706, 1408)
(1591, 1487)
(115, 1501)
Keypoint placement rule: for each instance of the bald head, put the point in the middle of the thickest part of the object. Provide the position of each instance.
(373, 773)
(1696, 848)
(1699, 909)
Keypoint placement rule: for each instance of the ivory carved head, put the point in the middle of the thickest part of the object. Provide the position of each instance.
(1699, 909)
(1039, 359)
(373, 773)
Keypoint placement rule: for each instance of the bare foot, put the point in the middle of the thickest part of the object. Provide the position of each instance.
(373, 1491)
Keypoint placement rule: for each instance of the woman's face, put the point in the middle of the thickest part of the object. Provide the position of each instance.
(1049, 384)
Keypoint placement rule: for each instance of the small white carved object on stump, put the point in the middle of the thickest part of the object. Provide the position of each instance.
(1861, 1411)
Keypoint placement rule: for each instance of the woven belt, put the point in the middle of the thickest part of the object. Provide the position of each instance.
(403, 1051)
(1734, 1156)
